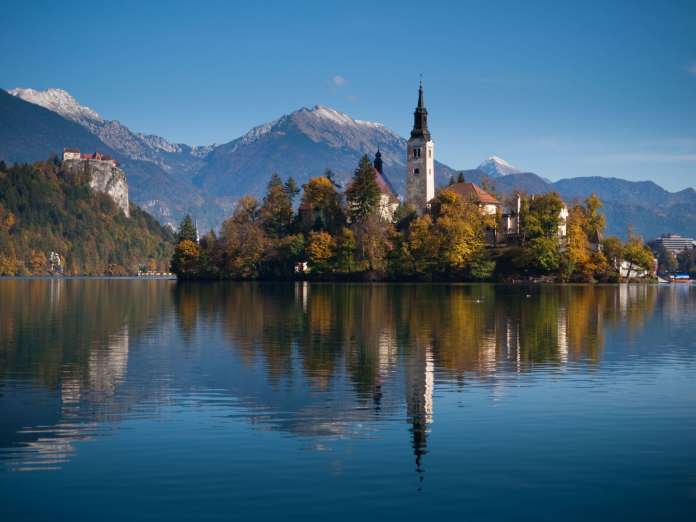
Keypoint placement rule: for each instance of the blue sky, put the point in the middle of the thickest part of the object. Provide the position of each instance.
(561, 89)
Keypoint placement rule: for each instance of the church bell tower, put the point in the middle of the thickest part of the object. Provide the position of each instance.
(420, 161)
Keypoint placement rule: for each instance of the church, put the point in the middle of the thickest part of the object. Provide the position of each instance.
(420, 179)
(420, 159)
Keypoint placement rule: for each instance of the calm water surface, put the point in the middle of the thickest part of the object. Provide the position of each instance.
(152, 400)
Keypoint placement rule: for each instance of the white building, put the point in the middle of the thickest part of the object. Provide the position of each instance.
(420, 159)
(71, 154)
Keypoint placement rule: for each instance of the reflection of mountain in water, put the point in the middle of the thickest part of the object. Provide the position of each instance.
(310, 360)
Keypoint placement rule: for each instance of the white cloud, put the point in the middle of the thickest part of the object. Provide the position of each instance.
(691, 68)
(339, 81)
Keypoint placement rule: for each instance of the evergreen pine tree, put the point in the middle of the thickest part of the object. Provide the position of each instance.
(291, 188)
(363, 193)
(187, 230)
(460, 178)
(276, 212)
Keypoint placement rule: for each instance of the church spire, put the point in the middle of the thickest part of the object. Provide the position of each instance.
(378, 161)
(420, 118)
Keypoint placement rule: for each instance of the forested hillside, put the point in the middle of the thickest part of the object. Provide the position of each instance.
(44, 210)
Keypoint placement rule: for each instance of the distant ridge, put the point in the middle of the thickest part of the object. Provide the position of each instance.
(170, 179)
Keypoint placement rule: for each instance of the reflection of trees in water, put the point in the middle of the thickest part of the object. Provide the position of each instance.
(50, 329)
(380, 340)
(72, 336)
(369, 331)
(365, 329)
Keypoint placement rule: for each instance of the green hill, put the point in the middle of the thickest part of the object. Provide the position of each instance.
(44, 209)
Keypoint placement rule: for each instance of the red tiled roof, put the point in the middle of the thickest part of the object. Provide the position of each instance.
(72, 150)
(473, 192)
(383, 184)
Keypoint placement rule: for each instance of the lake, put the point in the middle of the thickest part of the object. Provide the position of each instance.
(158, 400)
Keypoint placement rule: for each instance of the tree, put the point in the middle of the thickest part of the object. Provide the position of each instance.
(187, 230)
(541, 216)
(460, 178)
(38, 263)
(613, 250)
(638, 255)
(687, 261)
(320, 251)
(291, 188)
(320, 208)
(8, 265)
(185, 259)
(666, 260)
(459, 228)
(371, 239)
(363, 192)
(421, 249)
(595, 222)
(243, 240)
(576, 259)
(539, 222)
(281, 256)
(276, 211)
(345, 251)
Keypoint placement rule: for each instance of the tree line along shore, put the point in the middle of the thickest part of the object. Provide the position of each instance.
(337, 235)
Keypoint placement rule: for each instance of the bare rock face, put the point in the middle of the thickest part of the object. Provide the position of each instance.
(104, 177)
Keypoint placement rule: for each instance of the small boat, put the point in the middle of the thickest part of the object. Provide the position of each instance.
(679, 278)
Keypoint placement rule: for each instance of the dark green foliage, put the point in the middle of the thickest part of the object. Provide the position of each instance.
(363, 193)
(687, 262)
(43, 209)
(666, 260)
(187, 230)
(276, 211)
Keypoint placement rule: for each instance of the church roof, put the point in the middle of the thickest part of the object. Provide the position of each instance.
(472, 192)
(384, 184)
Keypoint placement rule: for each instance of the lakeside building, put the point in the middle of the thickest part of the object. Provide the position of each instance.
(675, 243)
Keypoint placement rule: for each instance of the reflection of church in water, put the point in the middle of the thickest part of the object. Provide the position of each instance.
(420, 374)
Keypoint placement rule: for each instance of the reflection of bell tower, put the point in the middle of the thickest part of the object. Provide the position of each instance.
(419, 400)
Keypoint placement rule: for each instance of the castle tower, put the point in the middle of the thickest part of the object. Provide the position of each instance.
(420, 177)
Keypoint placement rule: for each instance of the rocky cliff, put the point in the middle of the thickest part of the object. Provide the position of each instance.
(103, 177)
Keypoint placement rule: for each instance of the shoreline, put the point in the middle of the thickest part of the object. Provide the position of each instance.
(337, 281)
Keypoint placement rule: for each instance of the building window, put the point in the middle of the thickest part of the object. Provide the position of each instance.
(416, 171)
(416, 153)
(430, 153)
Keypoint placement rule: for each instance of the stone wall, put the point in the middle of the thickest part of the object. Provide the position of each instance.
(104, 177)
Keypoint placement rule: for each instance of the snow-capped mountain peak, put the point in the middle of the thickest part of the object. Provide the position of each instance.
(57, 100)
(495, 166)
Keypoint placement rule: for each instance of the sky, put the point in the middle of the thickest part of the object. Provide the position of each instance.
(562, 89)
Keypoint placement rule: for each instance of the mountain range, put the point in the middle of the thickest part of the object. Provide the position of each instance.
(171, 179)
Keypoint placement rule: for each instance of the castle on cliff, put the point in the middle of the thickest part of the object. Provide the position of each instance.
(75, 154)
(105, 176)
